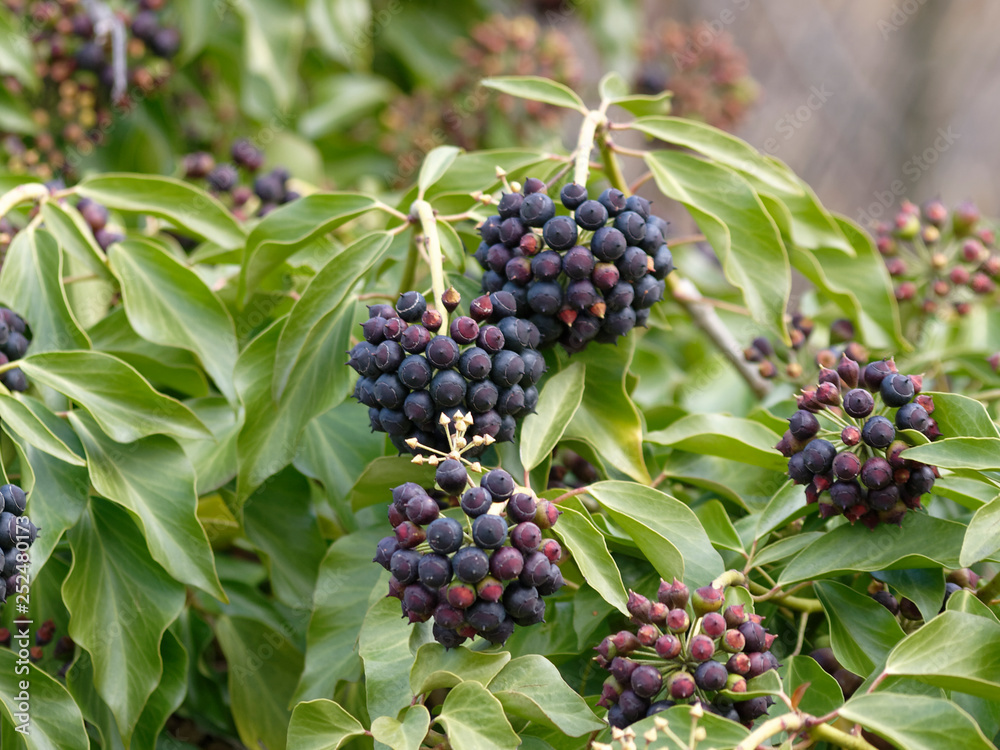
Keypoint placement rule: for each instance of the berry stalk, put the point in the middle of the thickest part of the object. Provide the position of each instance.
(428, 225)
(30, 191)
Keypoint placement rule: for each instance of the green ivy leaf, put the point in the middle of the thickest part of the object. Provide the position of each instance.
(322, 725)
(607, 420)
(320, 305)
(927, 723)
(292, 227)
(934, 655)
(340, 27)
(213, 459)
(381, 475)
(720, 435)
(862, 631)
(181, 203)
(35, 422)
(532, 688)
(122, 402)
(732, 217)
(717, 524)
(407, 734)
(557, 404)
(923, 541)
(961, 416)
(537, 89)
(153, 479)
(976, 453)
(169, 304)
(31, 283)
(264, 667)
(345, 585)
(662, 527)
(387, 659)
(55, 722)
(923, 586)
(435, 165)
(823, 694)
(966, 601)
(120, 602)
(437, 667)
(590, 552)
(720, 734)
(474, 720)
(75, 236)
(167, 697)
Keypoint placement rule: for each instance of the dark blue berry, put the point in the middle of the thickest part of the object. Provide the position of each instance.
(442, 352)
(489, 531)
(451, 476)
(912, 416)
(818, 456)
(560, 233)
(896, 390)
(434, 571)
(632, 225)
(572, 195)
(663, 262)
(878, 432)
(470, 564)
(444, 535)
(411, 306)
(613, 200)
(545, 297)
(481, 396)
(608, 244)
(403, 564)
(536, 209)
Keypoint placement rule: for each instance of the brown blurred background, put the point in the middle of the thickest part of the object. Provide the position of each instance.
(855, 96)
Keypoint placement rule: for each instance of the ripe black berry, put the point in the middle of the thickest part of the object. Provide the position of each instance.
(448, 389)
(619, 322)
(536, 569)
(511, 231)
(546, 266)
(500, 485)
(419, 407)
(506, 563)
(896, 390)
(444, 535)
(560, 233)
(608, 244)
(646, 681)
(878, 432)
(619, 296)
(394, 422)
(403, 564)
(519, 600)
(388, 356)
(818, 456)
(509, 205)
(476, 501)
(13, 499)
(578, 262)
(511, 401)
(545, 297)
(508, 369)
(572, 195)
(521, 508)
(411, 306)
(648, 291)
(803, 425)
(876, 473)
(519, 270)
(526, 536)
(434, 570)
(534, 366)
(387, 547)
(489, 531)
(418, 603)
(442, 352)
(362, 359)
(222, 178)
(846, 466)
(663, 262)
(921, 480)
(471, 564)
(389, 391)
(613, 200)
(536, 209)
(711, 675)
(497, 258)
(876, 372)
(591, 215)
(489, 230)
(797, 470)
(845, 494)
(481, 396)
(415, 339)
(912, 416)
(638, 204)
(884, 499)
(632, 226)
(484, 616)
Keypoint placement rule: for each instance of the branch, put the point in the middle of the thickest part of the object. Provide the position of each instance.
(428, 225)
(792, 602)
(29, 191)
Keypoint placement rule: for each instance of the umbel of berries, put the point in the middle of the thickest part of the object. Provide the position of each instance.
(591, 276)
(940, 261)
(846, 440)
(686, 648)
(474, 558)
(14, 343)
(17, 534)
(412, 374)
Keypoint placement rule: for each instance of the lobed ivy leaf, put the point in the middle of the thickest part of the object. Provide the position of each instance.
(407, 734)
(982, 538)
(387, 647)
(35, 422)
(968, 453)
(961, 416)
(169, 304)
(75, 236)
(153, 479)
(321, 724)
(435, 165)
(121, 602)
(122, 402)
(181, 203)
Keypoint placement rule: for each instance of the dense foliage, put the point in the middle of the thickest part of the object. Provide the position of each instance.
(620, 483)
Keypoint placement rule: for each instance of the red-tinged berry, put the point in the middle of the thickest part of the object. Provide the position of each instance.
(701, 647)
(646, 681)
(625, 642)
(681, 685)
(546, 514)
(526, 537)
(647, 635)
(850, 436)
(713, 624)
(489, 589)
(678, 621)
(675, 595)
(708, 599)
(667, 646)
(409, 535)
(733, 641)
(552, 550)
(738, 664)
(638, 606)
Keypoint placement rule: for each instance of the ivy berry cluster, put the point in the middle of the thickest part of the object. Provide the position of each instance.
(592, 276)
(481, 575)
(687, 649)
(233, 179)
(16, 535)
(851, 462)
(486, 365)
(939, 258)
(77, 60)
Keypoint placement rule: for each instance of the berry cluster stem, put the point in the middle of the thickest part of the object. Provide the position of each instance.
(989, 592)
(30, 191)
(795, 723)
(584, 145)
(428, 226)
(792, 602)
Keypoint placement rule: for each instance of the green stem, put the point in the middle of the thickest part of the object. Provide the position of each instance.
(792, 602)
(839, 737)
(612, 167)
(30, 191)
(989, 592)
(428, 225)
